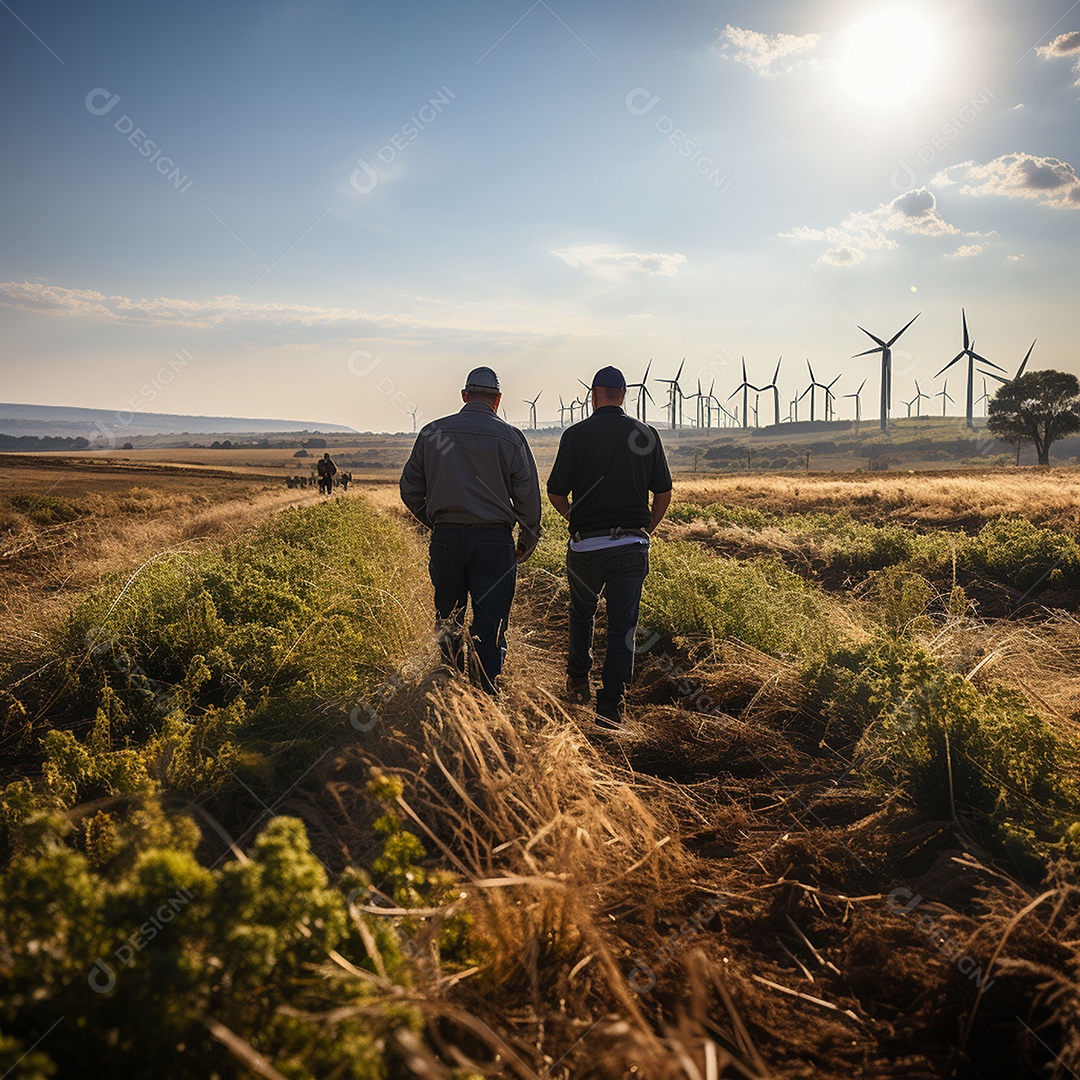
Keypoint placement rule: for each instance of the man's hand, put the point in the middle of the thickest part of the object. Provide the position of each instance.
(561, 504)
(660, 502)
(521, 553)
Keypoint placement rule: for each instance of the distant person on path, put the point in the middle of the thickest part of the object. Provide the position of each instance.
(609, 462)
(326, 470)
(346, 479)
(470, 478)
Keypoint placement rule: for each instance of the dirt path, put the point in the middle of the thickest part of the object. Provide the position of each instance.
(857, 937)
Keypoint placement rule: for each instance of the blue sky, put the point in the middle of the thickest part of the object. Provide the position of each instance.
(331, 210)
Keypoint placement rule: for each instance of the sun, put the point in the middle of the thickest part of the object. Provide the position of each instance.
(891, 58)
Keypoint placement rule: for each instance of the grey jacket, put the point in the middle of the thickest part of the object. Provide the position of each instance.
(472, 468)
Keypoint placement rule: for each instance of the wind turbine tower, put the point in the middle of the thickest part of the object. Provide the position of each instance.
(885, 348)
(858, 405)
(532, 410)
(969, 351)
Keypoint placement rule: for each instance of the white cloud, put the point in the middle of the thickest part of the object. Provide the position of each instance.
(965, 251)
(302, 321)
(766, 54)
(1065, 45)
(1018, 176)
(913, 213)
(604, 261)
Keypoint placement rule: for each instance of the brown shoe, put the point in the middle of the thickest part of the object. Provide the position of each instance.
(577, 689)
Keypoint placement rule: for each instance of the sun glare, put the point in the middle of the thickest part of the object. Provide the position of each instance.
(891, 58)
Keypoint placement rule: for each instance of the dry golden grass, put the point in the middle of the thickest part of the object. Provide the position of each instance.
(120, 523)
(1045, 496)
(571, 870)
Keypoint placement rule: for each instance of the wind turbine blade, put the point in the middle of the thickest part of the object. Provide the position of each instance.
(991, 375)
(1020, 369)
(833, 383)
(958, 356)
(645, 377)
(875, 337)
(868, 352)
(983, 360)
(861, 385)
(901, 330)
(679, 372)
(963, 318)
(776, 373)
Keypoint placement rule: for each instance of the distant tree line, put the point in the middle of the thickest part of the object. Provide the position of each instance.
(42, 442)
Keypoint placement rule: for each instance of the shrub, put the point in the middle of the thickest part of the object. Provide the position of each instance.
(45, 509)
(913, 724)
(1017, 553)
(231, 668)
(692, 592)
(158, 937)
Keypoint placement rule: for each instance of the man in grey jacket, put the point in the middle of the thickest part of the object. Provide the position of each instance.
(470, 478)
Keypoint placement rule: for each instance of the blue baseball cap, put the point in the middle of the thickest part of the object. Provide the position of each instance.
(611, 378)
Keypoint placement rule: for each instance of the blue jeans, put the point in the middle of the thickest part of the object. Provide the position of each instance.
(473, 562)
(620, 573)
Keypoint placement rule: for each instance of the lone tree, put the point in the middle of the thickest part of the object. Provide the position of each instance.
(1042, 406)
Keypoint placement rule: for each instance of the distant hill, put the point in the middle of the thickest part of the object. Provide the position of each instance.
(70, 421)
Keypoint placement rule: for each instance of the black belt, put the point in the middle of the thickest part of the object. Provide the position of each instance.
(471, 525)
(614, 534)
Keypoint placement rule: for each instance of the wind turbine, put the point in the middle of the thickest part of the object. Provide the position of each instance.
(776, 393)
(945, 396)
(969, 351)
(745, 387)
(830, 397)
(919, 395)
(810, 390)
(532, 410)
(858, 404)
(586, 401)
(640, 407)
(721, 412)
(562, 412)
(984, 399)
(699, 397)
(413, 415)
(674, 391)
(885, 348)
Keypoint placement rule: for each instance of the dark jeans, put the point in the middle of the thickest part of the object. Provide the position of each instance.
(619, 572)
(473, 562)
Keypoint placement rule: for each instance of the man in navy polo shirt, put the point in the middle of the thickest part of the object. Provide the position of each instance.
(471, 478)
(609, 463)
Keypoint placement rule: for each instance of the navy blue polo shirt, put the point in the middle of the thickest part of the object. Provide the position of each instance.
(609, 462)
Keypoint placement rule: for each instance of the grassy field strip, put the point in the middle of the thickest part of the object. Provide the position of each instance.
(244, 823)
